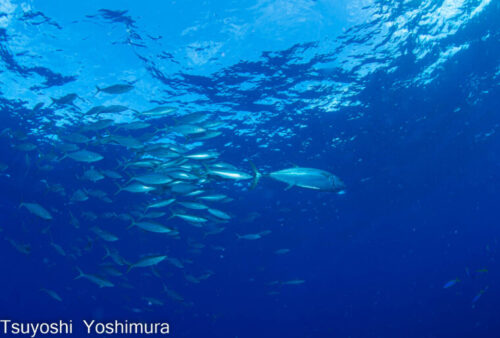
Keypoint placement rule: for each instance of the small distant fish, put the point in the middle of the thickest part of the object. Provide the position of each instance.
(151, 214)
(152, 179)
(52, 294)
(37, 209)
(84, 156)
(22, 248)
(148, 261)
(136, 188)
(193, 205)
(152, 227)
(294, 282)
(213, 198)
(159, 111)
(192, 279)
(187, 129)
(112, 271)
(254, 236)
(101, 282)
(115, 256)
(229, 174)
(92, 175)
(58, 248)
(476, 298)
(79, 196)
(175, 262)
(190, 218)
(115, 89)
(112, 174)
(112, 109)
(249, 236)
(219, 214)
(207, 155)
(108, 237)
(161, 204)
(451, 283)
(152, 301)
(282, 251)
(64, 100)
(309, 178)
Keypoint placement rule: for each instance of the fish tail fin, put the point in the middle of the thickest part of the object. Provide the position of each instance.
(122, 163)
(130, 267)
(62, 158)
(173, 214)
(108, 253)
(119, 189)
(80, 273)
(207, 169)
(257, 175)
(132, 224)
(98, 90)
(238, 236)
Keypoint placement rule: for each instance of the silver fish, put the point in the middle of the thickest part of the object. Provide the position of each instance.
(37, 209)
(309, 178)
(84, 156)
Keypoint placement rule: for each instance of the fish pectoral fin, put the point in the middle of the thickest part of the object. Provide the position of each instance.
(289, 187)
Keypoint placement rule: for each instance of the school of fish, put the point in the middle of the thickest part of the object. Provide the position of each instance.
(165, 177)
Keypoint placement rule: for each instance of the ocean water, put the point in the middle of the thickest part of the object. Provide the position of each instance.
(398, 99)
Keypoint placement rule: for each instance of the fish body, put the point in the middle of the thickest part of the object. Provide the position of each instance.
(137, 125)
(208, 155)
(38, 210)
(153, 179)
(193, 205)
(213, 198)
(190, 218)
(161, 204)
(58, 248)
(249, 236)
(93, 175)
(188, 129)
(112, 109)
(148, 261)
(101, 282)
(52, 294)
(309, 178)
(112, 174)
(219, 214)
(152, 227)
(230, 174)
(451, 283)
(136, 188)
(282, 251)
(159, 111)
(108, 237)
(294, 282)
(115, 89)
(85, 156)
(66, 99)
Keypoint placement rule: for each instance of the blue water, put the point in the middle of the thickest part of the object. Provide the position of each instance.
(399, 100)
